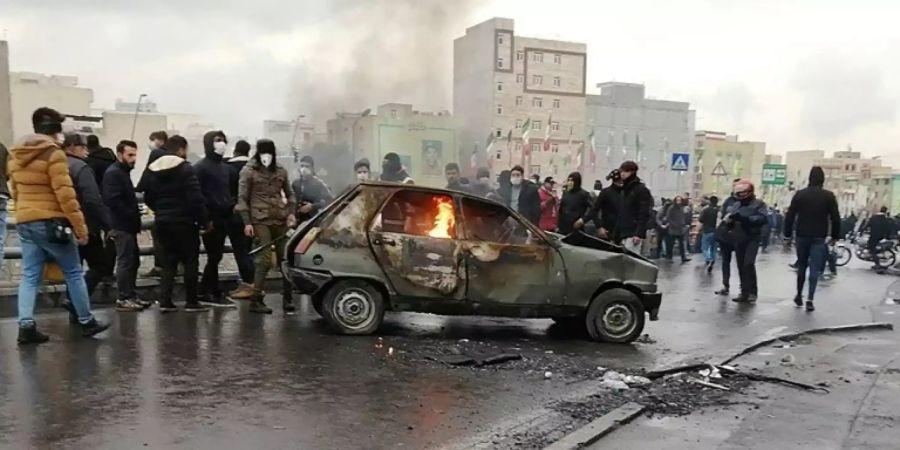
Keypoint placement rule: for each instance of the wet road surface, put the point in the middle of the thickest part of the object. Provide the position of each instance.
(228, 379)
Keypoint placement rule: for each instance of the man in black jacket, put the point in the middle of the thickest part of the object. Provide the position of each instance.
(125, 220)
(708, 221)
(634, 215)
(744, 221)
(522, 196)
(815, 210)
(240, 243)
(156, 146)
(99, 159)
(215, 176)
(605, 210)
(310, 191)
(880, 226)
(96, 215)
(173, 191)
(575, 207)
(455, 181)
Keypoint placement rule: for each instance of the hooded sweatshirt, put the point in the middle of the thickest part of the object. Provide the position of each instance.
(813, 210)
(173, 192)
(215, 178)
(311, 189)
(40, 182)
(392, 170)
(575, 204)
(236, 163)
(99, 159)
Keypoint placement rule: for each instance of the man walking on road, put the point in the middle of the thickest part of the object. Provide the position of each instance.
(708, 218)
(813, 209)
(744, 220)
(726, 245)
(634, 214)
(240, 243)
(214, 176)
(47, 216)
(157, 149)
(172, 190)
(125, 218)
(263, 188)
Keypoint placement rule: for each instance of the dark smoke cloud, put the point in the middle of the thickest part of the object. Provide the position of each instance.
(839, 94)
(381, 51)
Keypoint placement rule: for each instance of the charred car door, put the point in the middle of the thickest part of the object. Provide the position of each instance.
(414, 239)
(507, 262)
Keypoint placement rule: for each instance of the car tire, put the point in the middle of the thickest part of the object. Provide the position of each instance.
(353, 307)
(616, 315)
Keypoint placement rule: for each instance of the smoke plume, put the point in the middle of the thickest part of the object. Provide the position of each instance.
(379, 51)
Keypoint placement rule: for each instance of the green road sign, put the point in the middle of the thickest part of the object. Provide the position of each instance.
(774, 174)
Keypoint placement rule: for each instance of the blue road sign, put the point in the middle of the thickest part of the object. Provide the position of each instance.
(680, 161)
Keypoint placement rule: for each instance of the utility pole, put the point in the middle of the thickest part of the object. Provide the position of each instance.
(136, 109)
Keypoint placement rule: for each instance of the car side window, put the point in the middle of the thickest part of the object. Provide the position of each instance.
(419, 214)
(489, 222)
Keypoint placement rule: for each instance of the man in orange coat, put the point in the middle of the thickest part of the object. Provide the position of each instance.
(49, 222)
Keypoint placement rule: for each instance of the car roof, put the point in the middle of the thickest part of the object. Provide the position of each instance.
(420, 188)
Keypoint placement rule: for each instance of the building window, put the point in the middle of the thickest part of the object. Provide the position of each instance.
(556, 103)
(393, 114)
(535, 147)
(499, 132)
(537, 57)
(535, 124)
(537, 79)
(519, 100)
(537, 102)
(520, 55)
(554, 126)
(518, 123)
(555, 148)
(520, 78)
(556, 81)
(499, 109)
(499, 39)
(499, 86)
(557, 58)
(499, 63)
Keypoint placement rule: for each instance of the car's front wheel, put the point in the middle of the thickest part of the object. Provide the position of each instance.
(353, 307)
(616, 315)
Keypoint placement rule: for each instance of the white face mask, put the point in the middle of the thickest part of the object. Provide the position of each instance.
(219, 148)
(60, 138)
(265, 159)
(152, 145)
(515, 180)
(305, 171)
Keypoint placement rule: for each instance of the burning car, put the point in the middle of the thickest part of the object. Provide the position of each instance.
(387, 247)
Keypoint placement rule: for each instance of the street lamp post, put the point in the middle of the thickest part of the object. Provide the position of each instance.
(364, 113)
(294, 137)
(136, 109)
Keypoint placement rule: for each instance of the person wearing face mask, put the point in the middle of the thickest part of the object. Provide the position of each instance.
(522, 196)
(156, 145)
(392, 170)
(606, 207)
(240, 243)
(744, 220)
(575, 207)
(214, 176)
(261, 192)
(362, 170)
(49, 221)
(311, 192)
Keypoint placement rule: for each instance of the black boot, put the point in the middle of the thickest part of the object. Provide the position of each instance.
(30, 335)
(287, 305)
(798, 300)
(259, 306)
(724, 291)
(93, 327)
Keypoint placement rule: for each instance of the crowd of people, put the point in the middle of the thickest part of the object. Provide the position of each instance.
(75, 202)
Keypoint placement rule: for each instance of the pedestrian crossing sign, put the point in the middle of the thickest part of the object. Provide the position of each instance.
(680, 162)
(719, 170)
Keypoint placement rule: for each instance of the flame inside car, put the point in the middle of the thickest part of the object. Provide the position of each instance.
(443, 219)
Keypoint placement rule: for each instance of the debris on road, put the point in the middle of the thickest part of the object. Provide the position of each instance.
(708, 384)
(645, 339)
(614, 384)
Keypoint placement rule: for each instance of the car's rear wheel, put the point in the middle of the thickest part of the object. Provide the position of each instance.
(616, 315)
(353, 307)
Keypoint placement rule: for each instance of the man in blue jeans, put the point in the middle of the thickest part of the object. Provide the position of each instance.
(49, 221)
(813, 209)
(708, 244)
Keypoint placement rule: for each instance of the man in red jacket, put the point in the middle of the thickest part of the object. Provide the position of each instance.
(549, 205)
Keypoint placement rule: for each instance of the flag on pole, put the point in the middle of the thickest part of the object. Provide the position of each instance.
(637, 146)
(547, 133)
(489, 144)
(593, 142)
(578, 156)
(509, 140)
(526, 129)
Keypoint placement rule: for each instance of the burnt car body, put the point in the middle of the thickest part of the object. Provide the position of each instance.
(392, 247)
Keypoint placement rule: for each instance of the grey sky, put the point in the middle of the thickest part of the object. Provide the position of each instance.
(796, 74)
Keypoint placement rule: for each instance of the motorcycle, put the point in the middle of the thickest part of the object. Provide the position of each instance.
(841, 254)
(886, 252)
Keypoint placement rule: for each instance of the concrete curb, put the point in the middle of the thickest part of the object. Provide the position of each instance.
(600, 427)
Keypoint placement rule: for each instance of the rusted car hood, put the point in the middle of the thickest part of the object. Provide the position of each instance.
(579, 239)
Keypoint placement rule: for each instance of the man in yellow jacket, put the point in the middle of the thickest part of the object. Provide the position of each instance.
(49, 222)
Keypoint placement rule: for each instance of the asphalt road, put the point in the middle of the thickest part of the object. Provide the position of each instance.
(229, 379)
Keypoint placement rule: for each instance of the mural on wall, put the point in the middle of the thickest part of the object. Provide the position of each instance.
(432, 157)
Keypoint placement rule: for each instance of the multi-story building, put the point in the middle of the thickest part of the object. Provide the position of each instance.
(289, 136)
(627, 125)
(6, 123)
(30, 91)
(720, 158)
(503, 82)
(860, 184)
(425, 141)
